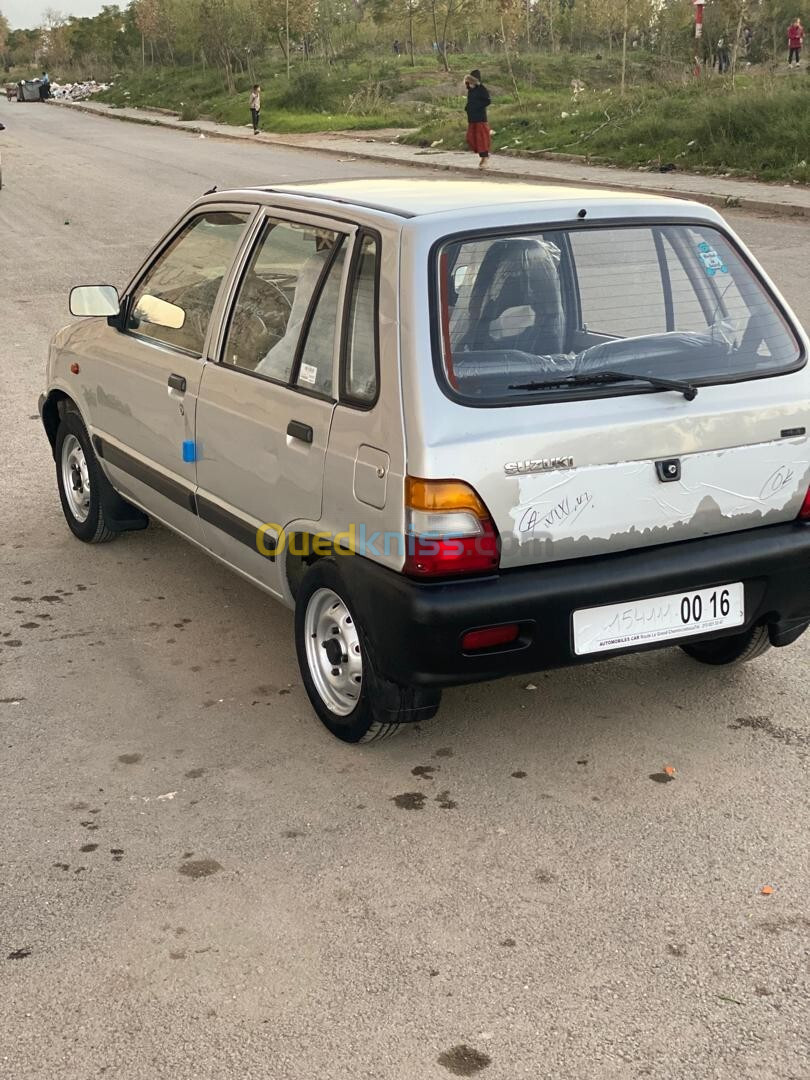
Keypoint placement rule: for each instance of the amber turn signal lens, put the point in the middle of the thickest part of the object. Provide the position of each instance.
(442, 495)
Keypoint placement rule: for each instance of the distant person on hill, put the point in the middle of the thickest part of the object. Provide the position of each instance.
(479, 138)
(723, 57)
(255, 106)
(795, 42)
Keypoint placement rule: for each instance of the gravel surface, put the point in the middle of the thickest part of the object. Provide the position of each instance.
(197, 881)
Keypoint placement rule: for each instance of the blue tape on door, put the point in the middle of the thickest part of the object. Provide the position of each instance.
(189, 450)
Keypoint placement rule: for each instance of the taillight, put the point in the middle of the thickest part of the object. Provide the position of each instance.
(448, 529)
(804, 513)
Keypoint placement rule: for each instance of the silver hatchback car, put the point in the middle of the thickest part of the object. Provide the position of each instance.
(466, 430)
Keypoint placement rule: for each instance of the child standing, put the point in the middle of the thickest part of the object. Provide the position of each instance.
(255, 106)
(479, 137)
(795, 41)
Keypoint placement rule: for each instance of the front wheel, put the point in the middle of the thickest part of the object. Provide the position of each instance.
(79, 478)
(735, 649)
(351, 698)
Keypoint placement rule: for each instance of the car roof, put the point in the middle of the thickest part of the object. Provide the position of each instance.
(409, 198)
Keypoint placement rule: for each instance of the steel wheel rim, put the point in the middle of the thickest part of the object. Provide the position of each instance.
(75, 478)
(334, 656)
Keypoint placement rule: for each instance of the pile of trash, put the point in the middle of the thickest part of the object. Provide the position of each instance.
(78, 91)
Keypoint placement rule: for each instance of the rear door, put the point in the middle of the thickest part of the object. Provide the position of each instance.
(592, 468)
(265, 408)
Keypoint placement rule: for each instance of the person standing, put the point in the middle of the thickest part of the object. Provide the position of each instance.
(795, 42)
(255, 106)
(479, 138)
(44, 86)
(723, 57)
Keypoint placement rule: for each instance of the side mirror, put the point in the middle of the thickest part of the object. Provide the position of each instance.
(100, 300)
(157, 312)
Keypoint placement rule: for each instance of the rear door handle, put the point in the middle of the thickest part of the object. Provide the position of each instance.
(177, 382)
(300, 431)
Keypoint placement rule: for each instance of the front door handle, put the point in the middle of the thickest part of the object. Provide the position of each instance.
(177, 382)
(297, 430)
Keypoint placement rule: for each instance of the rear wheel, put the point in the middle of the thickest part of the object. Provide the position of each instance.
(736, 649)
(80, 480)
(354, 702)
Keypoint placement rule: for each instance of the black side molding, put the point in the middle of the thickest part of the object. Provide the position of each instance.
(236, 527)
(179, 493)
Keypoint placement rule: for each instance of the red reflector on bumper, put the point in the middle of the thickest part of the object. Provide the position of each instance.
(804, 513)
(489, 636)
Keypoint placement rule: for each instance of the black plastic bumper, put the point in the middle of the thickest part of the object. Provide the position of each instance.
(415, 628)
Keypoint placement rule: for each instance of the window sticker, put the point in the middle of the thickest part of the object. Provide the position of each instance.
(308, 374)
(712, 263)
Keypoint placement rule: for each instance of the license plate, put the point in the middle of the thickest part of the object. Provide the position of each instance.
(659, 618)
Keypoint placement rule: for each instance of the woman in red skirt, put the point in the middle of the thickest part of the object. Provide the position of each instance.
(479, 138)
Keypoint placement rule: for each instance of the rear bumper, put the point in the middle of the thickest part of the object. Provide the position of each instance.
(415, 628)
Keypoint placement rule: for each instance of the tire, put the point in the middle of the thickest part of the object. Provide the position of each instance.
(727, 651)
(358, 704)
(80, 482)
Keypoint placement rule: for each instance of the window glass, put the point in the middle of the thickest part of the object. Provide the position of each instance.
(687, 311)
(361, 354)
(317, 357)
(620, 285)
(666, 301)
(173, 302)
(274, 297)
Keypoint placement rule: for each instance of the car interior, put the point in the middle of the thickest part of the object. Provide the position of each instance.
(514, 311)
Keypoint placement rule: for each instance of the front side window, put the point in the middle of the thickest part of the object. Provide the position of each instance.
(283, 277)
(585, 310)
(175, 298)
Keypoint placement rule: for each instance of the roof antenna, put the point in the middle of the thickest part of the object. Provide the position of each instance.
(210, 190)
(581, 213)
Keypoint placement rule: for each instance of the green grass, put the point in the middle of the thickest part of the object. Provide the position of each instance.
(665, 116)
(315, 98)
(754, 130)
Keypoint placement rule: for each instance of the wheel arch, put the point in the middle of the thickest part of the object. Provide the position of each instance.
(53, 409)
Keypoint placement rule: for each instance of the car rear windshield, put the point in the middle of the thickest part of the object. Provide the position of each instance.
(537, 314)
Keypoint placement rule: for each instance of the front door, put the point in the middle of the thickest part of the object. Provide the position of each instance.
(265, 409)
(148, 371)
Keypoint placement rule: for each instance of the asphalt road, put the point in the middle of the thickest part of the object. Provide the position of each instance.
(197, 881)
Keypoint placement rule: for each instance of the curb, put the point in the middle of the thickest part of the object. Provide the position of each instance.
(719, 202)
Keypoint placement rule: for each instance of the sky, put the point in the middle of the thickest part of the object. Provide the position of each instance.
(29, 12)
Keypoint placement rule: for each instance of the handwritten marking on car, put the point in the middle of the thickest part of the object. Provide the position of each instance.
(777, 481)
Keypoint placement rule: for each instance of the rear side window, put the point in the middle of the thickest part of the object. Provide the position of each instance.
(360, 376)
(175, 298)
(541, 313)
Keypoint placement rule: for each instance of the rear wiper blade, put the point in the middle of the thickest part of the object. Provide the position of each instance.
(594, 378)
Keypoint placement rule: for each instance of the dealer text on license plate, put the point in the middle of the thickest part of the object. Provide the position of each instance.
(659, 618)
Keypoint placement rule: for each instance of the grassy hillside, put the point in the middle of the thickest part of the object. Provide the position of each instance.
(564, 104)
(756, 130)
